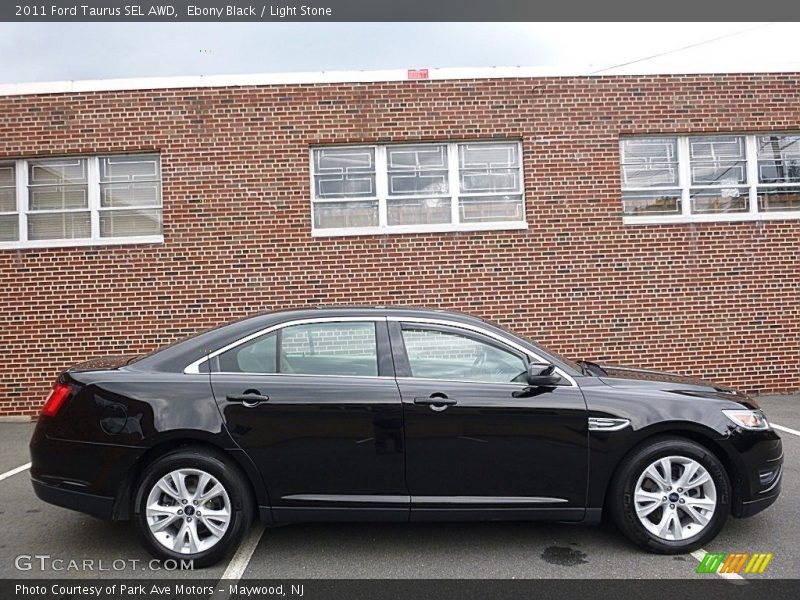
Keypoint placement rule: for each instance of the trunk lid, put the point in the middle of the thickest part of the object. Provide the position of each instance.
(103, 363)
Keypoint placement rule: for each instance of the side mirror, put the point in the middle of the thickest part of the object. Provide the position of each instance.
(542, 375)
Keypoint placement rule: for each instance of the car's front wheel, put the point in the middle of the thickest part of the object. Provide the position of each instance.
(192, 504)
(670, 495)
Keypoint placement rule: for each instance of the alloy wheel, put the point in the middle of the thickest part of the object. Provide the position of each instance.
(675, 498)
(188, 511)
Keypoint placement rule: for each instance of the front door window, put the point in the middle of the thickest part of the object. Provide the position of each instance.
(434, 354)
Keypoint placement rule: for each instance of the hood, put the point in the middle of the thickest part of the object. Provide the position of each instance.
(619, 372)
(618, 376)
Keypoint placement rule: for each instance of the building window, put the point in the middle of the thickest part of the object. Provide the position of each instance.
(130, 196)
(718, 175)
(778, 172)
(418, 191)
(58, 199)
(9, 219)
(669, 179)
(407, 188)
(81, 200)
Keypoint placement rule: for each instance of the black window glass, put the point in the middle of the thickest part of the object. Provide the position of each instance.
(344, 348)
(256, 356)
(436, 354)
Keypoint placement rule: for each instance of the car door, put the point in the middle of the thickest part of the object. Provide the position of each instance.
(316, 406)
(479, 443)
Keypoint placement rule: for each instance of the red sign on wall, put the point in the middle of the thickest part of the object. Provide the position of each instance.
(418, 73)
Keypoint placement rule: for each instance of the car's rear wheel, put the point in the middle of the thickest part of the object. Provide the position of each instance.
(670, 495)
(192, 504)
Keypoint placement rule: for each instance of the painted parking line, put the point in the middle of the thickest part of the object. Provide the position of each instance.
(238, 564)
(785, 429)
(19, 469)
(735, 577)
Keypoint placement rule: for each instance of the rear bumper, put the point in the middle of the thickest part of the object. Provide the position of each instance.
(91, 504)
(81, 476)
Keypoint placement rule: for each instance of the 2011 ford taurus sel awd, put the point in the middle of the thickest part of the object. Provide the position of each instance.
(390, 414)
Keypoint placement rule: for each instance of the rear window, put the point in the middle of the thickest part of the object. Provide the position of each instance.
(329, 348)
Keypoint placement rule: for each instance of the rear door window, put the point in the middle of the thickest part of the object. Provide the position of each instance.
(346, 348)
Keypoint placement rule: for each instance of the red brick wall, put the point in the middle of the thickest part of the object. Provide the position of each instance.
(716, 300)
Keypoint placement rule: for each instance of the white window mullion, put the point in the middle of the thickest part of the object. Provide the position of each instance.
(684, 175)
(522, 181)
(93, 194)
(751, 152)
(453, 182)
(22, 199)
(313, 188)
(382, 184)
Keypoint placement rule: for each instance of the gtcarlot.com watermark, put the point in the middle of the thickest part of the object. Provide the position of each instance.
(48, 563)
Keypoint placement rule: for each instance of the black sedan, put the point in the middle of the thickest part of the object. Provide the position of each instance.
(388, 414)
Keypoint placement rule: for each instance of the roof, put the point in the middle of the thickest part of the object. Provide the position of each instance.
(338, 310)
(175, 357)
(327, 77)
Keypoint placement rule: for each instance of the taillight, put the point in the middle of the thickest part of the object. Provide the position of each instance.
(55, 400)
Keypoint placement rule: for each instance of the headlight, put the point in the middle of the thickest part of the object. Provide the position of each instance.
(748, 419)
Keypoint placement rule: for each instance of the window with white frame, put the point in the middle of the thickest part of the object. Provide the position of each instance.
(778, 172)
(9, 219)
(417, 187)
(710, 177)
(80, 200)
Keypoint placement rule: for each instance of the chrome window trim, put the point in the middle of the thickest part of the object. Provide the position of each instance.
(482, 331)
(299, 375)
(194, 368)
(518, 384)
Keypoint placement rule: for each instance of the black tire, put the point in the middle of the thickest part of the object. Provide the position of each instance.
(620, 501)
(227, 474)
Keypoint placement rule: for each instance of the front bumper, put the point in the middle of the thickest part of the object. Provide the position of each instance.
(759, 457)
(753, 507)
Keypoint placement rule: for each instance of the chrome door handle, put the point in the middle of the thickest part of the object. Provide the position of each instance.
(436, 400)
(248, 400)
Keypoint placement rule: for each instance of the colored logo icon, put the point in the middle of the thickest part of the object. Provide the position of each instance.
(736, 562)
